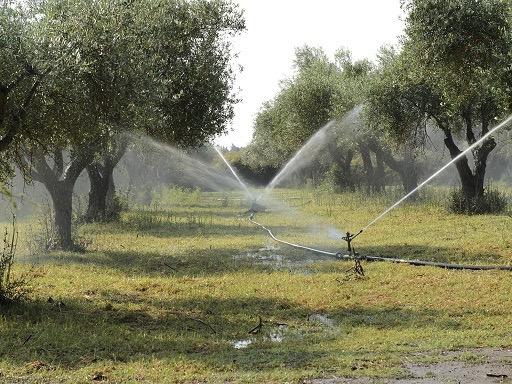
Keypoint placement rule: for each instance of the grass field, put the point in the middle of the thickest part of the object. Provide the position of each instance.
(164, 295)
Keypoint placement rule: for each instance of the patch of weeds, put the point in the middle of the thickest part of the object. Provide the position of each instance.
(12, 289)
(492, 201)
(42, 236)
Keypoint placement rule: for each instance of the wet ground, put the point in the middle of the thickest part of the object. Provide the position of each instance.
(271, 255)
(476, 366)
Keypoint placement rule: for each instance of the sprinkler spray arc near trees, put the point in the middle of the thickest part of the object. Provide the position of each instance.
(349, 237)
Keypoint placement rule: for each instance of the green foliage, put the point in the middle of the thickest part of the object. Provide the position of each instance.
(161, 67)
(464, 73)
(492, 202)
(470, 35)
(319, 91)
(452, 73)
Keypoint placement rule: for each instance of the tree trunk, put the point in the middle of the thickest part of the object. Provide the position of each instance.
(343, 159)
(101, 176)
(97, 206)
(405, 168)
(59, 182)
(481, 155)
(62, 197)
(472, 183)
(368, 167)
(466, 176)
(347, 171)
(408, 172)
(380, 173)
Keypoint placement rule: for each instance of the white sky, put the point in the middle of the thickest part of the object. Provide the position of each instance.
(276, 27)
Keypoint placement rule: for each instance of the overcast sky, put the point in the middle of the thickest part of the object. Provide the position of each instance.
(276, 27)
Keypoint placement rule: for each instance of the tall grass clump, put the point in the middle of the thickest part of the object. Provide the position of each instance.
(491, 202)
(11, 289)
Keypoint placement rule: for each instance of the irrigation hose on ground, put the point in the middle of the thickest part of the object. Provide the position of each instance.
(339, 255)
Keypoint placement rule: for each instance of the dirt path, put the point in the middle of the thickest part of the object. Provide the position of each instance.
(476, 366)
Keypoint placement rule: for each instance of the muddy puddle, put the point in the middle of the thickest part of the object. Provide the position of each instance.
(273, 256)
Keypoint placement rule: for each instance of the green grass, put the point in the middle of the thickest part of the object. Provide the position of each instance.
(162, 295)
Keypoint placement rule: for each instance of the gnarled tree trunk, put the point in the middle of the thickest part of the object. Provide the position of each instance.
(61, 193)
(406, 168)
(368, 166)
(343, 159)
(380, 173)
(101, 176)
(472, 181)
(60, 181)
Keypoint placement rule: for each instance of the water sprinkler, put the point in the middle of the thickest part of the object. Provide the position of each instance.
(256, 207)
(348, 238)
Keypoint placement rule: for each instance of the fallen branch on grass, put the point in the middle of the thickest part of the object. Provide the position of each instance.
(257, 328)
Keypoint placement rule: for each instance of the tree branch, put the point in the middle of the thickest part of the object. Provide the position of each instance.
(470, 135)
(58, 165)
(41, 171)
(77, 165)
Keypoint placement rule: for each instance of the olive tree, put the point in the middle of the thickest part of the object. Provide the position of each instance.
(158, 67)
(452, 72)
(319, 91)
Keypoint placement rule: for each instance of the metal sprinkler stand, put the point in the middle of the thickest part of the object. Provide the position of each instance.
(358, 268)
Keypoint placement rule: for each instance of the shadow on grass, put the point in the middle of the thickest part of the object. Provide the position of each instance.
(219, 261)
(195, 330)
(184, 229)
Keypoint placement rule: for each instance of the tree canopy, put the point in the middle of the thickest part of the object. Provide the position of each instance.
(319, 90)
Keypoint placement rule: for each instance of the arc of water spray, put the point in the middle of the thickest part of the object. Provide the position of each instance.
(311, 147)
(219, 152)
(193, 169)
(503, 124)
(315, 144)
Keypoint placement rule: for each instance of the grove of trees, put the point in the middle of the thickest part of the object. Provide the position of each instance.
(75, 77)
(450, 76)
(79, 78)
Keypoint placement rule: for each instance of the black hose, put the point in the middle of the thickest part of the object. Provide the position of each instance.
(338, 255)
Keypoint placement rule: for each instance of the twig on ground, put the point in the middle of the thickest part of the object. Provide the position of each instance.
(26, 340)
(172, 268)
(257, 328)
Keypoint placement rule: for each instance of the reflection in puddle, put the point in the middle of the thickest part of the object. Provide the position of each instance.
(241, 344)
(276, 335)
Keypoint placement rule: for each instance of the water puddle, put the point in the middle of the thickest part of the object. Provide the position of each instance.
(276, 335)
(242, 344)
(270, 256)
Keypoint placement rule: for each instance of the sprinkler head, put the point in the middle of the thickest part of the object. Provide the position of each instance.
(348, 238)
